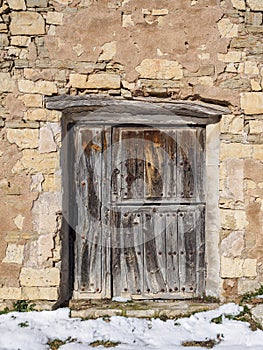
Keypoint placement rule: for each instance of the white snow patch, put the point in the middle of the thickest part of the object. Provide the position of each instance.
(132, 333)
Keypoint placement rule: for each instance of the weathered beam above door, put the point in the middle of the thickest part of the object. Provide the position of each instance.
(106, 106)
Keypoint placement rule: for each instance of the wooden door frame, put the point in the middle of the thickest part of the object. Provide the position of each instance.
(96, 109)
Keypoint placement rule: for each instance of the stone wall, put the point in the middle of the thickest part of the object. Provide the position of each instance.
(201, 50)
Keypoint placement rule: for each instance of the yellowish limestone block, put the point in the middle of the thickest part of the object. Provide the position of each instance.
(231, 56)
(108, 51)
(127, 21)
(256, 127)
(255, 85)
(19, 221)
(14, 254)
(251, 68)
(38, 87)
(7, 83)
(252, 102)
(23, 138)
(239, 4)
(55, 18)
(40, 293)
(232, 124)
(41, 114)
(20, 40)
(31, 100)
(52, 183)
(255, 5)
(160, 69)
(234, 268)
(246, 285)
(103, 81)
(17, 4)
(10, 293)
(235, 150)
(258, 152)
(30, 277)
(27, 23)
(46, 140)
(78, 80)
(227, 29)
(34, 162)
(233, 219)
(160, 12)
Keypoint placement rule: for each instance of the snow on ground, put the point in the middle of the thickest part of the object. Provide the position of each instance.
(33, 330)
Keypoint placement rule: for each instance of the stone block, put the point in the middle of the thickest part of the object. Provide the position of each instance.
(207, 69)
(30, 277)
(33, 162)
(55, 18)
(46, 140)
(127, 21)
(23, 138)
(17, 4)
(160, 69)
(103, 81)
(40, 293)
(258, 152)
(234, 220)
(14, 124)
(36, 3)
(41, 114)
(227, 29)
(108, 51)
(39, 87)
(235, 150)
(252, 102)
(9, 275)
(4, 40)
(160, 12)
(10, 293)
(234, 179)
(231, 56)
(233, 245)
(27, 23)
(18, 40)
(255, 85)
(257, 314)
(255, 5)
(234, 268)
(14, 254)
(8, 84)
(246, 285)
(232, 124)
(52, 183)
(78, 80)
(36, 182)
(256, 127)
(32, 100)
(239, 4)
(251, 68)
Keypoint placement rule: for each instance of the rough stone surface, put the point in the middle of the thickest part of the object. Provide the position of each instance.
(40, 293)
(233, 268)
(30, 277)
(23, 138)
(54, 18)
(14, 254)
(17, 4)
(252, 102)
(46, 140)
(160, 69)
(257, 312)
(27, 23)
(255, 5)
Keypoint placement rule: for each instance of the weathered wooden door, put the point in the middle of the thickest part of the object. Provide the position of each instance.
(141, 203)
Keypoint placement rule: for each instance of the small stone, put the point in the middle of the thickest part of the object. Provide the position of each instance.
(14, 254)
(17, 4)
(36, 182)
(39, 87)
(4, 40)
(40, 293)
(252, 102)
(10, 293)
(160, 69)
(36, 3)
(233, 219)
(160, 12)
(256, 127)
(255, 85)
(227, 29)
(246, 285)
(30, 277)
(46, 141)
(108, 51)
(257, 314)
(234, 268)
(239, 4)
(19, 221)
(27, 23)
(78, 80)
(255, 5)
(41, 114)
(14, 124)
(23, 138)
(127, 21)
(233, 245)
(233, 124)
(55, 18)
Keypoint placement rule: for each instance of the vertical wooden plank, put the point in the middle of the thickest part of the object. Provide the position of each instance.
(187, 250)
(172, 252)
(170, 166)
(90, 237)
(116, 250)
(154, 279)
(186, 163)
(201, 164)
(200, 247)
(116, 166)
